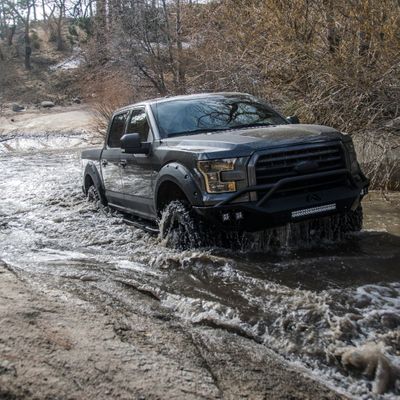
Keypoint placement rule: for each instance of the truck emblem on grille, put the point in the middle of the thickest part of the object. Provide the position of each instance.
(304, 167)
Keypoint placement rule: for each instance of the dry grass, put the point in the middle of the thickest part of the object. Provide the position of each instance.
(335, 63)
(106, 92)
(284, 51)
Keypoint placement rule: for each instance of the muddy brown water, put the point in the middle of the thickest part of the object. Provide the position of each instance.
(303, 301)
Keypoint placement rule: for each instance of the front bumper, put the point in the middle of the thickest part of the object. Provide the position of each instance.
(269, 211)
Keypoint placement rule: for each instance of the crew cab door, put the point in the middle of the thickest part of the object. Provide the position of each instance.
(138, 170)
(111, 160)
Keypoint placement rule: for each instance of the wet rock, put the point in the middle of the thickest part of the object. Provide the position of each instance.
(354, 317)
(3, 224)
(16, 107)
(345, 329)
(390, 320)
(201, 260)
(362, 302)
(89, 278)
(370, 360)
(166, 262)
(6, 367)
(47, 104)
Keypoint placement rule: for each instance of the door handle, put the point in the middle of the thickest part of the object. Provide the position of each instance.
(123, 163)
(104, 163)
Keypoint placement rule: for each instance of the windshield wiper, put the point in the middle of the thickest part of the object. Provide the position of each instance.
(195, 131)
(251, 125)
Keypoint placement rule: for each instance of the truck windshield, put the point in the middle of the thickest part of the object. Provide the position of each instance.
(208, 114)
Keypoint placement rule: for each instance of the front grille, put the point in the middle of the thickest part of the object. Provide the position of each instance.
(274, 166)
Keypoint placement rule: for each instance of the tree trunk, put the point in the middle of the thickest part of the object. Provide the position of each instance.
(60, 42)
(332, 35)
(3, 22)
(34, 10)
(110, 16)
(169, 44)
(28, 48)
(44, 10)
(364, 43)
(10, 34)
(181, 76)
(101, 29)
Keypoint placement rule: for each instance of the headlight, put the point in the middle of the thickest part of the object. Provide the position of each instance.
(211, 170)
(354, 167)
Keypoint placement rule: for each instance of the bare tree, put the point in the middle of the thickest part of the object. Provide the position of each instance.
(334, 62)
(332, 34)
(59, 20)
(34, 10)
(149, 38)
(22, 12)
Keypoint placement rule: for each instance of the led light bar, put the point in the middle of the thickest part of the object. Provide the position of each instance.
(313, 210)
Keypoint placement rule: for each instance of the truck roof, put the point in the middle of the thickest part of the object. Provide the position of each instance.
(180, 97)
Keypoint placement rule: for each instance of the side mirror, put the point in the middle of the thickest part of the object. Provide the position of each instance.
(131, 143)
(294, 119)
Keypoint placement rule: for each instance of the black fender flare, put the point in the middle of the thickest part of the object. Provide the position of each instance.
(92, 171)
(180, 175)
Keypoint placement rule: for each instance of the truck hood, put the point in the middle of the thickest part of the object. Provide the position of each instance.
(245, 141)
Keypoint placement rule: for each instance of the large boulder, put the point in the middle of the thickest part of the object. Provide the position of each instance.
(47, 104)
(16, 107)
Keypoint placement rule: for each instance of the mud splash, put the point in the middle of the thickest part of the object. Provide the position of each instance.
(306, 302)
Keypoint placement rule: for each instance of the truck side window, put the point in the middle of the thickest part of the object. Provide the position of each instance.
(117, 130)
(139, 124)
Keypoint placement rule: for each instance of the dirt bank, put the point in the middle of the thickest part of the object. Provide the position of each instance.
(57, 345)
(73, 119)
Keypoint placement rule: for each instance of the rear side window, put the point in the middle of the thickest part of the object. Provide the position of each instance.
(139, 124)
(117, 130)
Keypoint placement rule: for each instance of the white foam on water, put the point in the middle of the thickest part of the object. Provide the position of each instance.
(305, 327)
(135, 266)
(22, 143)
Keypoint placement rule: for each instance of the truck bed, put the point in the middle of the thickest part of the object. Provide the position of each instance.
(92, 154)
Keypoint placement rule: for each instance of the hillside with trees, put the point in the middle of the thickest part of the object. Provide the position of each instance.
(330, 62)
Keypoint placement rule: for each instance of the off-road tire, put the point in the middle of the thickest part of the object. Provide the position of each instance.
(337, 226)
(179, 226)
(353, 220)
(94, 196)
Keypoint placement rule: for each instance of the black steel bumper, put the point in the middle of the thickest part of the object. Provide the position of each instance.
(269, 211)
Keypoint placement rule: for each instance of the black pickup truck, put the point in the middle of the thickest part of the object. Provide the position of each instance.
(225, 161)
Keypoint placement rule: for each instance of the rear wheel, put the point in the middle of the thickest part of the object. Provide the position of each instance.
(179, 226)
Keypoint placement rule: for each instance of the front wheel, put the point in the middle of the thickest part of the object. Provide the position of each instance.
(93, 195)
(336, 227)
(180, 227)
(353, 220)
